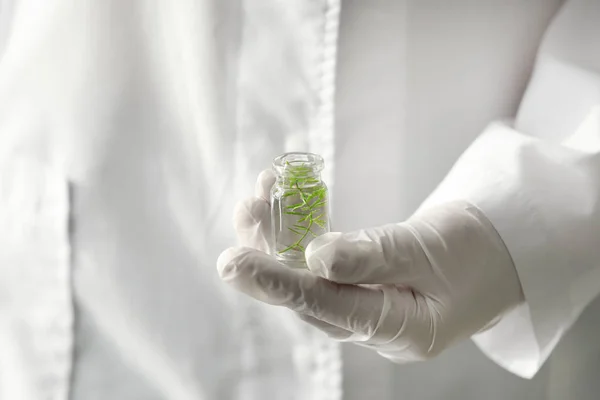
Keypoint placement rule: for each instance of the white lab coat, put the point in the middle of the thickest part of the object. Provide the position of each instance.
(129, 130)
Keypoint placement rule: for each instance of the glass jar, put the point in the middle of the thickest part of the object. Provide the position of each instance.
(299, 206)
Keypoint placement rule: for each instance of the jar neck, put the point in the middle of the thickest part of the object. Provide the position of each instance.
(298, 169)
(308, 179)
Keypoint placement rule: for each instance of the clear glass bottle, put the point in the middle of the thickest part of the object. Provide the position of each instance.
(299, 206)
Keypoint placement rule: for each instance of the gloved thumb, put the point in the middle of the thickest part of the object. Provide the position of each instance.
(252, 216)
(389, 254)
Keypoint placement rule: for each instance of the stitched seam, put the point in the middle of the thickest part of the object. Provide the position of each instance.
(321, 139)
(322, 133)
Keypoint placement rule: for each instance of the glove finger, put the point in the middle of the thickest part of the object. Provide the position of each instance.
(332, 331)
(415, 320)
(264, 183)
(390, 254)
(252, 223)
(353, 308)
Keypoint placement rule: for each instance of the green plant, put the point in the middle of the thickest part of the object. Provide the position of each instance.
(310, 210)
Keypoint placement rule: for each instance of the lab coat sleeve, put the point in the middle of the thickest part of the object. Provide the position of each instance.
(543, 198)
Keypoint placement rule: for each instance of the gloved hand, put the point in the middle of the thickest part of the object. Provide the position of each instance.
(407, 290)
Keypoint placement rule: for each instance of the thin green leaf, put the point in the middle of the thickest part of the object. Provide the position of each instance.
(295, 213)
(320, 223)
(319, 204)
(306, 217)
(312, 196)
(294, 246)
(291, 193)
(295, 231)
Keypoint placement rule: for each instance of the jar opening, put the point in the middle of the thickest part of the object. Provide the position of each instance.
(290, 163)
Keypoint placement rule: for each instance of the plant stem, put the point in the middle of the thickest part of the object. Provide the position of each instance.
(298, 177)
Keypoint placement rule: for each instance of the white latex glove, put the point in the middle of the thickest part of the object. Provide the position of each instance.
(407, 290)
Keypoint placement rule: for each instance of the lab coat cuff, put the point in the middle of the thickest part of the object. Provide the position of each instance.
(488, 176)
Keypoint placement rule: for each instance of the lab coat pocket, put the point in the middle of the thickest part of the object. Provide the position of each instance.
(35, 301)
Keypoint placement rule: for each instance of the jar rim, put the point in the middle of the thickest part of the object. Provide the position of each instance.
(296, 158)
